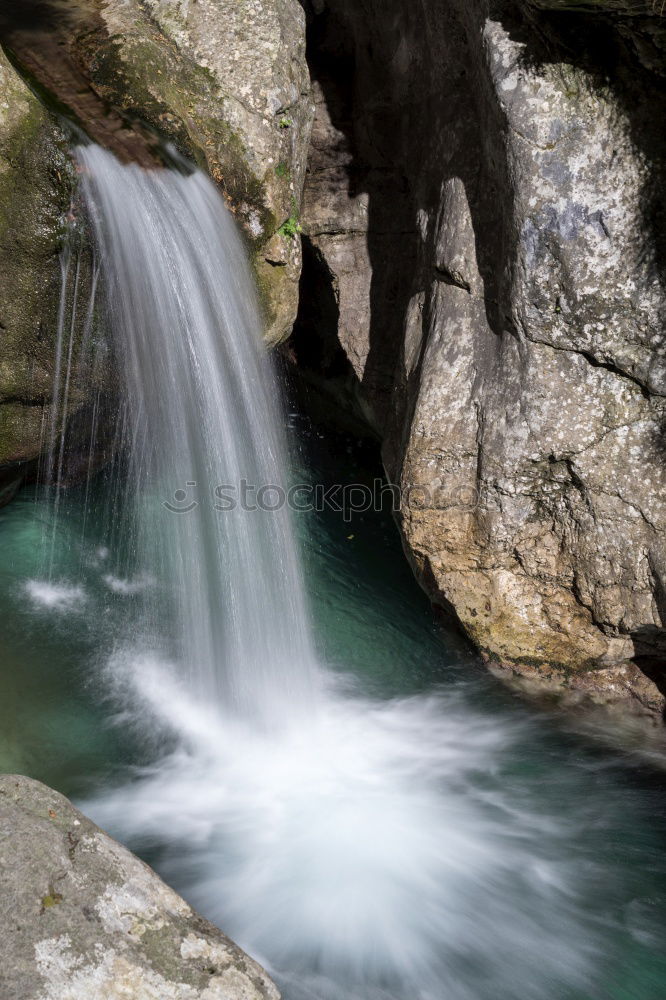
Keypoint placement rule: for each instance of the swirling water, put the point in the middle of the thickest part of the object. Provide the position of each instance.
(350, 797)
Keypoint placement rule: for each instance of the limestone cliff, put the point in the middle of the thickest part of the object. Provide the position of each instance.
(485, 235)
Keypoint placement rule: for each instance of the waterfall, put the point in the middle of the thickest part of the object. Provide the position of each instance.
(205, 418)
(358, 847)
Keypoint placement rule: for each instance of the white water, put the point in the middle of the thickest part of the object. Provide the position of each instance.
(56, 596)
(204, 412)
(360, 849)
(356, 852)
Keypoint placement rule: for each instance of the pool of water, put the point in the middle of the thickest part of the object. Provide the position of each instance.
(423, 834)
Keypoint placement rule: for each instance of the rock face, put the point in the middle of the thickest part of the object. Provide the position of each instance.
(40, 253)
(83, 919)
(483, 220)
(226, 81)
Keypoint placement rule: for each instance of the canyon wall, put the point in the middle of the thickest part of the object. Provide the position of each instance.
(483, 282)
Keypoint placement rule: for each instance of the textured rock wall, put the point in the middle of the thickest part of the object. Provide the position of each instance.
(226, 81)
(82, 918)
(36, 189)
(483, 217)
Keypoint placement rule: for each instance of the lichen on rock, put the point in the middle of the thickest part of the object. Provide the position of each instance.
(111, 929)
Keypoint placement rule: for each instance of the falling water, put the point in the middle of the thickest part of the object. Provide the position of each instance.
(206, 428)
(72, 367)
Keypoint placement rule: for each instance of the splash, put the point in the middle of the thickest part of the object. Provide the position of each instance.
(55, 596)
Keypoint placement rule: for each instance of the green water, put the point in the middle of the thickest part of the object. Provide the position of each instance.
(596, 809)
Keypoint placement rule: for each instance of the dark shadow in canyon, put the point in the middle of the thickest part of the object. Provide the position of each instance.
(411, 97)
(410, 88)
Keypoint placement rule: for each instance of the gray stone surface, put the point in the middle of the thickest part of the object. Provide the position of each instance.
(83, 919)
(484, 194)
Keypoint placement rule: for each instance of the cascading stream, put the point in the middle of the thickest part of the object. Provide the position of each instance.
(205, 417)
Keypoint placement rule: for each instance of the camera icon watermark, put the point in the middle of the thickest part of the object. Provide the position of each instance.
(345, 499)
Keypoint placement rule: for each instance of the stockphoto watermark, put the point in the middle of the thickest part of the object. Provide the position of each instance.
(346, 499)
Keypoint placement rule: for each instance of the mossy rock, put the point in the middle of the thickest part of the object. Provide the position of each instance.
(37, 184)
(219, 81)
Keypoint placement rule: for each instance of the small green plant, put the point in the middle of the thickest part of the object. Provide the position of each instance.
(52, 898)
(282, 170)
(285, 122)
(290, 228)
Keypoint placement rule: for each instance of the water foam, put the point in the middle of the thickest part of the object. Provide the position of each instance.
(55, 596)
(359, 850)
(128, 587)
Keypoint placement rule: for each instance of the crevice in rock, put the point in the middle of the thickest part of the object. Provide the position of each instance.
(314, 341)
(326, 379)
(609, 366)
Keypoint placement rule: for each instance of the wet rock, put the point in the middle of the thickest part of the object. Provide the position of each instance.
(83, 919)
(226, 82)
(37, 183)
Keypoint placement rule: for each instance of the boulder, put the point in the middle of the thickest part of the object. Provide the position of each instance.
(83, 919)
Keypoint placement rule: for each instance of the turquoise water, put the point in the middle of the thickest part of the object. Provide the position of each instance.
(539, 871)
